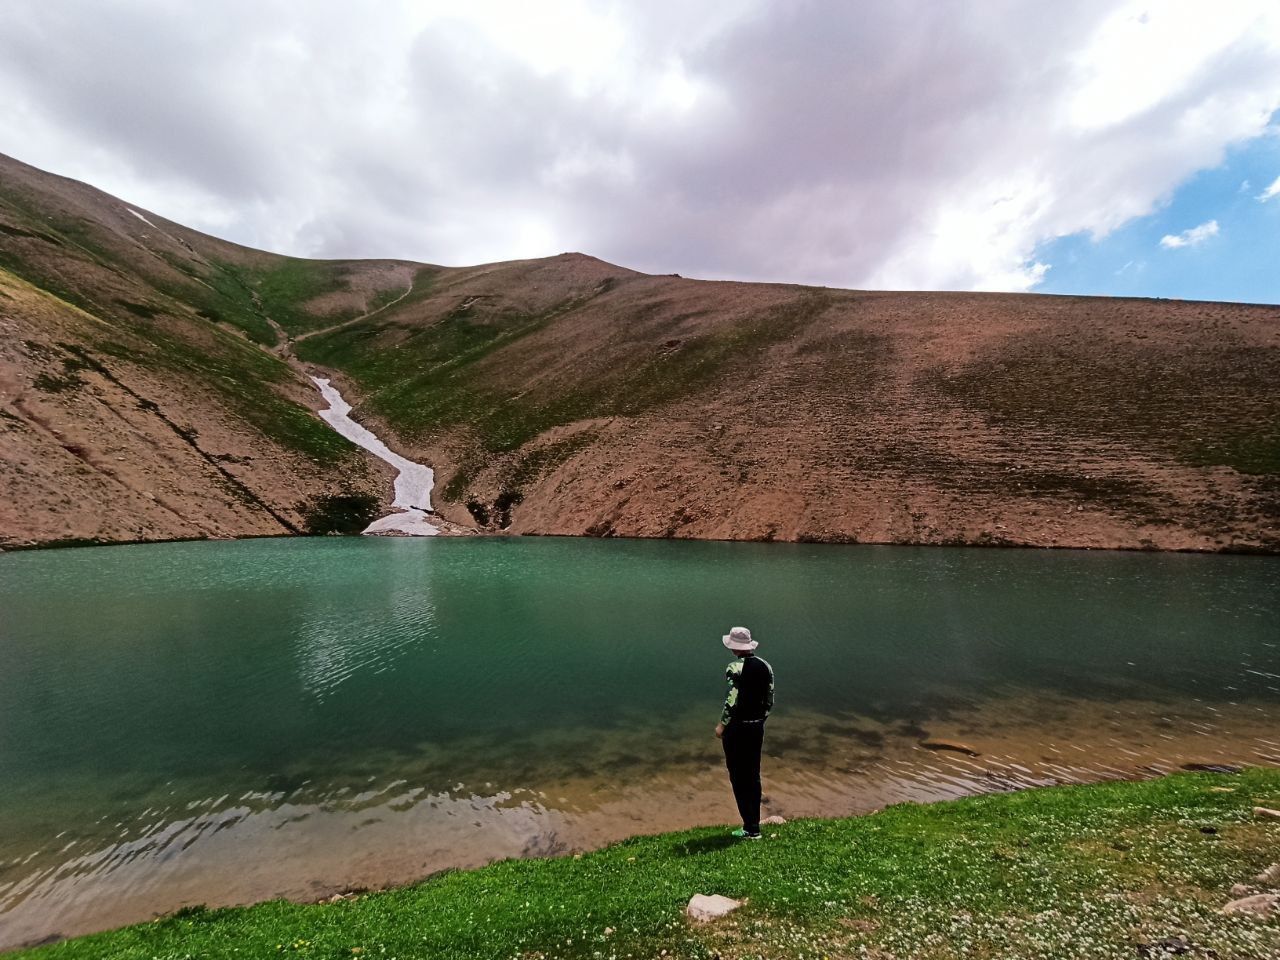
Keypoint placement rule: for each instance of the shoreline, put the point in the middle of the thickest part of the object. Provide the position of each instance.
(76, 542)
(1118, 863)
(407, 826)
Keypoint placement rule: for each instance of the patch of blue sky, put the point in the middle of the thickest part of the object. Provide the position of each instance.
(1238, 260)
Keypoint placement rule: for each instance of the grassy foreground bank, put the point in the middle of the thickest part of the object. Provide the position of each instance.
(1109, 870)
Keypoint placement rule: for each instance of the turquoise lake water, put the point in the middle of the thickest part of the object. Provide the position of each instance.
(221, 722)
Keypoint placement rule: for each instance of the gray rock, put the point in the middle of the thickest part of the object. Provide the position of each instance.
(774, 821)
(1258, 905)
(704, 908)
(1270, 877)
(1241, 890)
(1266, 812)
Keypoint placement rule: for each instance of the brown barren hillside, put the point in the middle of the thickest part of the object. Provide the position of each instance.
(152, 385)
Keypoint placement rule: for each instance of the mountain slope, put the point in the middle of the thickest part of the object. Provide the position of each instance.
(135, 402)
(570, 396)
(657, 406)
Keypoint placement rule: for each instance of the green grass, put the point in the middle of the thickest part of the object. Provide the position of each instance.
(424, 283)
(530, 467)
(77, 238)
(290, 283)
(1216, 406)
(283, 290)
(425, 382)
(420, 288)
(1252, 448)
(431, 381)
(59, 229)
(244, 377)
(8, 231)
(245, 296)
(42, 279)
(1062, 872)
(230, 301)
(629, 389)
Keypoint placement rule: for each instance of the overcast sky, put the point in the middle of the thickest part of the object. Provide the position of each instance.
(989, 144)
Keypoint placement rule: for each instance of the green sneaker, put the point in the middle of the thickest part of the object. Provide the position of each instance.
(742, 834)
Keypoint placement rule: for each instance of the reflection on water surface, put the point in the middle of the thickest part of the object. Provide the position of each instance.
(216, 723)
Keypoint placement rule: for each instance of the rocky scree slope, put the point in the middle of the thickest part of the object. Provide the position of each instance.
(570, 396)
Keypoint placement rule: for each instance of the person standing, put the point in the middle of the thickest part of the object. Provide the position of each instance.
(741, 728)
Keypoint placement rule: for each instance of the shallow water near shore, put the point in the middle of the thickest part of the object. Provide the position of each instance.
(225, 722)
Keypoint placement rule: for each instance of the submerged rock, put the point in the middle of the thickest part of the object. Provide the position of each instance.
(1209, 766)
(704, 908)
(941, 743)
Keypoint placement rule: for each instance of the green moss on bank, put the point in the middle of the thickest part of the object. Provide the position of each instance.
(1099, 871)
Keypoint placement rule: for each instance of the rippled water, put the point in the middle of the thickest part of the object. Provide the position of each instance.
(221, 722)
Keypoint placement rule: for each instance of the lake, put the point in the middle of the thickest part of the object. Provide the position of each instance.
(224, 722)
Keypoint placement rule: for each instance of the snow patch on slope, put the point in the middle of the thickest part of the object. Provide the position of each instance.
(413, 484)
(142, 218)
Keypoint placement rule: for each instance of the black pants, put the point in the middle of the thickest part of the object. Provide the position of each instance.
(742, 743)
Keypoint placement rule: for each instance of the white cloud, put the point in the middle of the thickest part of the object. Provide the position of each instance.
(1190, 238)
(907, 145)
(1146, 53)
(1271, 191)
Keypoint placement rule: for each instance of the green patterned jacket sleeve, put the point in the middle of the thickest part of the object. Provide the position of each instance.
(731, 674)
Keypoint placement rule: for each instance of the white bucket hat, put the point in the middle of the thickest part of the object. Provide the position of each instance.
(739, 638)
